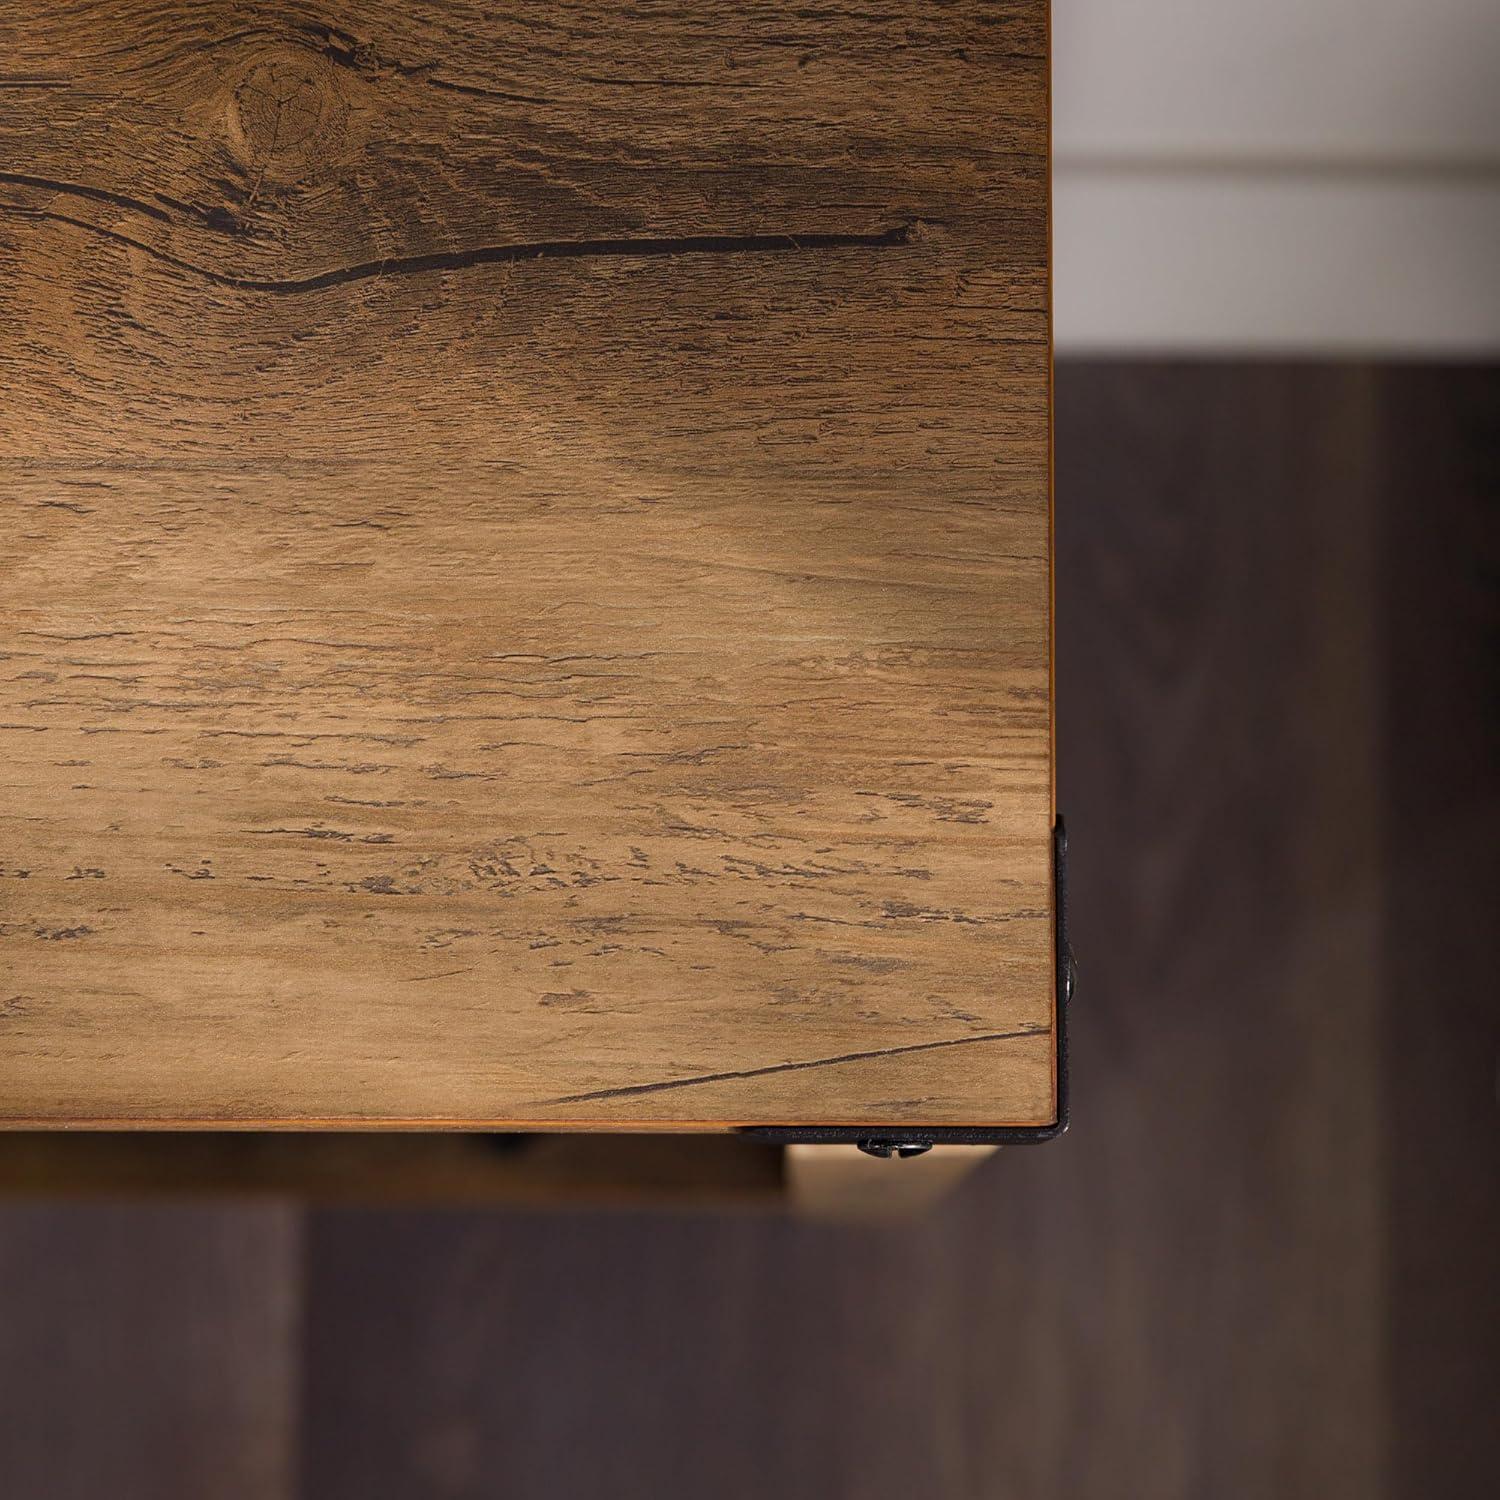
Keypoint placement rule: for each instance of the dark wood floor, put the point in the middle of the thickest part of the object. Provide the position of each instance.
(1261, 1264)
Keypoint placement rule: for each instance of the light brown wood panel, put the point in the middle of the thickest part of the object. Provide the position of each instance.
(526, 584)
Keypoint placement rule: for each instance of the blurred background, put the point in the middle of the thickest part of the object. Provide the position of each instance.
(1263, 1262)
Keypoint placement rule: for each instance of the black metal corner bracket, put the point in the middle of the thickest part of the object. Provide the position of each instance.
(904, 1140)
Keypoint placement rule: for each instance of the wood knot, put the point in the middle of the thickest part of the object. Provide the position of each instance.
(285, 114)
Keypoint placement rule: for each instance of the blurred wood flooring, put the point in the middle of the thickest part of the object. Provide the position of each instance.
(1261, 1264)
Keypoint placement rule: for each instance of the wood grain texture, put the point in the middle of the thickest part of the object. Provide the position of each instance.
(525, 593)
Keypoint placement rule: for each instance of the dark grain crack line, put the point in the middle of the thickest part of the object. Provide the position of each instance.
(488, 255)
(634, 1089)
(475, 91)
(84, 190)
(719, 85)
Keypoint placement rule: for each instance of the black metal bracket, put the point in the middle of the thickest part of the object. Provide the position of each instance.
(908, 1140)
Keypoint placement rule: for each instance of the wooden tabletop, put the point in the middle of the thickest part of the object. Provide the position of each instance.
(526, 584)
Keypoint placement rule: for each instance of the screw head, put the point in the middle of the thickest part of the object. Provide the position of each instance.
(888, 1149)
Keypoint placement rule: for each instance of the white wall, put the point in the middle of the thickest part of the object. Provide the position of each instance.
(1279, 175)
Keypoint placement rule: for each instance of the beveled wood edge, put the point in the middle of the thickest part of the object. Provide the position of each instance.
(372, 1125)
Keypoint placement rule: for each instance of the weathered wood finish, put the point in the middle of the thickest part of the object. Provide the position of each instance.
(526, 568)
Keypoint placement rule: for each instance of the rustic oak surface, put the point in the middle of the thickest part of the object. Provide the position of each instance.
(526, 568)
(1260, 1264)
